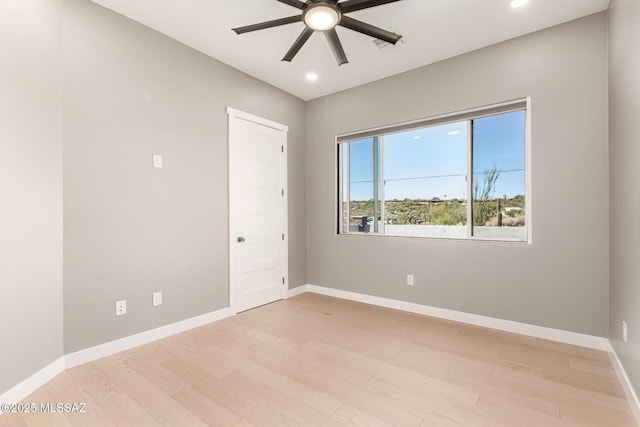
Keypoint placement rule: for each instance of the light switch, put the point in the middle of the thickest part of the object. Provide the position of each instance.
(157, 161)
(157, 299)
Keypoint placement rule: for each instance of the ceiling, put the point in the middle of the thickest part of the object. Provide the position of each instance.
(432, 30)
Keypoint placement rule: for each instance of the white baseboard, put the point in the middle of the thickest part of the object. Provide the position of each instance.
(573, 338)
(122, 344)
(629, 391)
(296, 291)
(37, 380)
(34, 382)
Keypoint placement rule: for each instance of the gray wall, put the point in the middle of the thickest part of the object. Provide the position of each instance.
(30, 188)
(129, 229)
(561, 280)
(624, 102)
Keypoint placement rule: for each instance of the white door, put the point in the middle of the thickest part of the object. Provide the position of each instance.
(257, 210)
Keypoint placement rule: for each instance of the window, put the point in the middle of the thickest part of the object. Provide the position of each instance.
(456, 176)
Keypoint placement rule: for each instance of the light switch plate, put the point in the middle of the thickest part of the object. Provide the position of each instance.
(157, 299)
(157, 161)
(121, 307)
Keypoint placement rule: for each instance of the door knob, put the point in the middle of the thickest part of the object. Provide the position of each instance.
(241, 239)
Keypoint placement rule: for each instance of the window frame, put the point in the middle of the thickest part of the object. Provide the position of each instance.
(379, 133)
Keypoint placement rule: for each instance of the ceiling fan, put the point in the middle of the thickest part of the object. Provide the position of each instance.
(325, 15)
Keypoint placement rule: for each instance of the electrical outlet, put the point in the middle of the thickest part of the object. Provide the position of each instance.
(157, 161)
(410, 279)
(157, 299)
(625, 337)
(121, 307)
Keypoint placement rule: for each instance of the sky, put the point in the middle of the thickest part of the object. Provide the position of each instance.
(432, 162)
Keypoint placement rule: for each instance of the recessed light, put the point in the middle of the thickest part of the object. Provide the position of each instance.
(453, 133)
(518, 3)
(312, 77)
(416, 137)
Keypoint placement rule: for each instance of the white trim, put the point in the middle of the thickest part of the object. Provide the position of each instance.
(381, 192)
(450, 117)
(342, 162)
(40, 378)
(296, 291)
(126, 343)
(470, 179)
(629, 391)
(574, 338)
(34, 382)
(285, 214)
(232, 112)
(528, 197)
(233, 304)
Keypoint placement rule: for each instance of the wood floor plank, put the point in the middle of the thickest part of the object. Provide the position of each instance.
(597, 367)
(188, 348)
(152, 351)
(258, 404)
(244, 423)
(44, 418)
(441, 365)
(566, 395)
(588, 381)
(160, 406)
(317, 400)
(120, 406)
(299, 359)
(285, 384)
(583, 414)
(540, 356)
(351, 416)
(544, 404)
(65, 389)
(317, 360)
(146, 368)
(10, 419)
(238, 343)
(509, 412)
(380, 372)
(208, 410)
(352, 389)
(369, 398)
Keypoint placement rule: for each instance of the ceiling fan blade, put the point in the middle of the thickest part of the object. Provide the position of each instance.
(353, 5)
(336, 46)
(370, 30)
(268, 24)
(295, 3)
(297, 45)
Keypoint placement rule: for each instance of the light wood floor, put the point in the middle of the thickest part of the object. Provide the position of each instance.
(314, 360)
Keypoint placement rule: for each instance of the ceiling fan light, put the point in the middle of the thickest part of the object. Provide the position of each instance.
(321, 18)
(518, 3)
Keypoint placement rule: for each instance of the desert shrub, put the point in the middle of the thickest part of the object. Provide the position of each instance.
(454, 213)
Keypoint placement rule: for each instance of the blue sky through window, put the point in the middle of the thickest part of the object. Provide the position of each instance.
(432, 162)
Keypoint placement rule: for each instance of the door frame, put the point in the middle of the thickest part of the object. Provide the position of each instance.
(233, 114)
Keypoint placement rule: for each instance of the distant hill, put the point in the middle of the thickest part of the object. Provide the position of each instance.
(444, 212)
